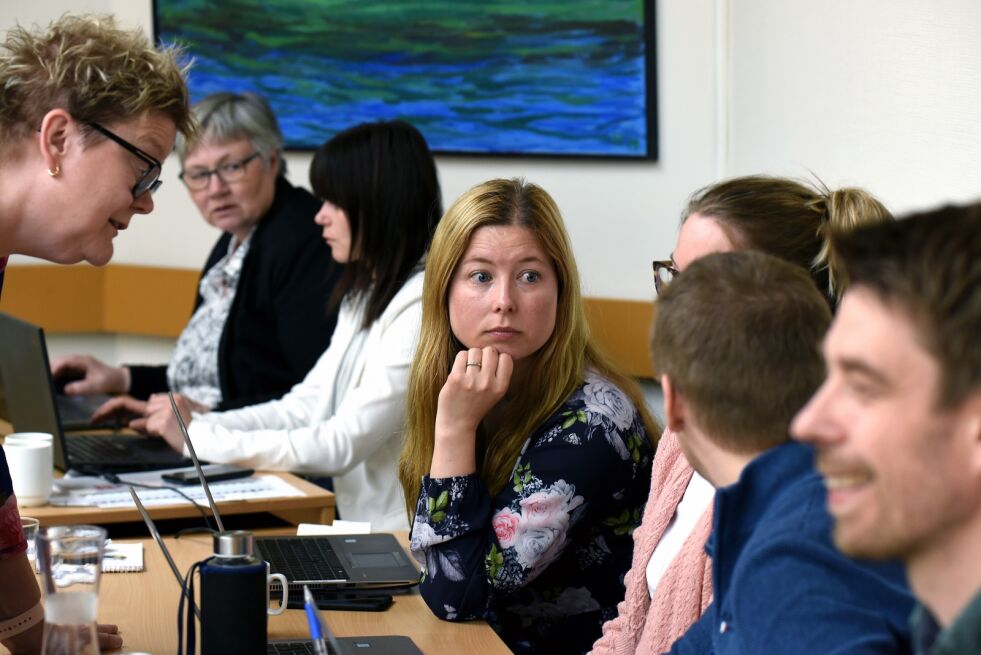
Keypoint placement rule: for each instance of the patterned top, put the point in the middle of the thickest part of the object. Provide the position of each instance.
(193, 369)
(543, 561)
(11, 533)
(12, 539)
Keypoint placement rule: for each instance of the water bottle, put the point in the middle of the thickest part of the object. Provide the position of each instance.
(235, 597)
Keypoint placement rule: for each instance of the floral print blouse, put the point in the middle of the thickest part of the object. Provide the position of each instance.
(543, 561)
(11, 533)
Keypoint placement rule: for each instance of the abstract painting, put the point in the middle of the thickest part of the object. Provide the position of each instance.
(541, 78)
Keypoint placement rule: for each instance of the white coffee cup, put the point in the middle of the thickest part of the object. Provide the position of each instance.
(30, 458)
(29, 437)
(271, 579)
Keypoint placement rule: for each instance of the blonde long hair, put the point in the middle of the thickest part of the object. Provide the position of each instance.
(558, 368)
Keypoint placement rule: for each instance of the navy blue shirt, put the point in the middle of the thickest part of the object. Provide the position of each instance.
(779, 583)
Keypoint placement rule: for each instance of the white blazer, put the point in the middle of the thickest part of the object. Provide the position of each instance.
(345, 419)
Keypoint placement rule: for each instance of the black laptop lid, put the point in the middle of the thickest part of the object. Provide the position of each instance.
(27, 383)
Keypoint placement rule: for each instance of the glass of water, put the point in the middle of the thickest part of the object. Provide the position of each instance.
(69, 559)
(30, 526)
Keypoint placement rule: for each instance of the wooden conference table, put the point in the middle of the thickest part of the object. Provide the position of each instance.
(144, 605)
(316, 505)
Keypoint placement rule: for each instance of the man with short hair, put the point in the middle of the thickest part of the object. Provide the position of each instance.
(736, 344)
(897, 423)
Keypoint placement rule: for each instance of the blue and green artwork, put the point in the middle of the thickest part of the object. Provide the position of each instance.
(550, 78)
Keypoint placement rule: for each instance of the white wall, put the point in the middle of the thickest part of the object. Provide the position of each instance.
(879, 93)
(603, 202)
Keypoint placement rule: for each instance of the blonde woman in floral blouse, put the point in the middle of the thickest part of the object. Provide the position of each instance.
(528, 455)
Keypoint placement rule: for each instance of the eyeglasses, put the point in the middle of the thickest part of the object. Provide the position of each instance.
(231, 171)
(150, 179)
(664, 272)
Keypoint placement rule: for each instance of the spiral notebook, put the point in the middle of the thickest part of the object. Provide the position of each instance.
(122, 558)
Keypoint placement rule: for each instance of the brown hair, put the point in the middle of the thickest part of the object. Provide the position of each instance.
(929, 266)
(789, 219)
(738, 335)
(95, 70)
(558, 367)
(383, 175)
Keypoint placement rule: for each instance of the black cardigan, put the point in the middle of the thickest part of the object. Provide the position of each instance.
(278, 325)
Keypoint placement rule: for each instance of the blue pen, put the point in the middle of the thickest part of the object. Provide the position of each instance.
(313, 618)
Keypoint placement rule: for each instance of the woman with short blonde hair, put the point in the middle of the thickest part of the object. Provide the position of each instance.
(88, 114)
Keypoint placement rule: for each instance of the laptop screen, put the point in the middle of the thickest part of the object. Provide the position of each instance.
(26, 377)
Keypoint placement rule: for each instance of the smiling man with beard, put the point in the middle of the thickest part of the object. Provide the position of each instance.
(897, 423)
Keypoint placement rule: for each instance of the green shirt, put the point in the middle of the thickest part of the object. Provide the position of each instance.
(962, 637)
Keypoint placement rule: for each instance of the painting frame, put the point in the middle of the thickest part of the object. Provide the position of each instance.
(577, 119)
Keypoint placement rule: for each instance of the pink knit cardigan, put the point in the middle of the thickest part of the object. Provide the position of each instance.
(646, 625)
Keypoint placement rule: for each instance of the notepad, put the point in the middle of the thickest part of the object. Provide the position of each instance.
(122, 558)
(339, 526)
(115, 496)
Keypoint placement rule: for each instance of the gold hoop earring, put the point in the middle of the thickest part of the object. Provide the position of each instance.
(56, 171)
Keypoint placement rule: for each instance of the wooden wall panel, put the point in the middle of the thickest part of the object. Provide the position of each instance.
(148, 301)
(622, 328)
(139, 300)
(154, 301)
(58, 298)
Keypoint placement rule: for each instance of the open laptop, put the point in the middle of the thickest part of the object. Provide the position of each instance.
(76, 412)
(386, 645)
(326, 562)
(30, 399)
(383, 645)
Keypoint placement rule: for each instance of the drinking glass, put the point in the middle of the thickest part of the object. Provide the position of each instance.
(70, 560)
(30, 526)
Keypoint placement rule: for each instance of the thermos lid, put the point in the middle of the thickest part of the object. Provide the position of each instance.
(236, 543)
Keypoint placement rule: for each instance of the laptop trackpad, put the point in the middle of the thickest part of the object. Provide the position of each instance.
(375, 560)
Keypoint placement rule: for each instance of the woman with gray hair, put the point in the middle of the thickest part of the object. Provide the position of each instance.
(260, 318)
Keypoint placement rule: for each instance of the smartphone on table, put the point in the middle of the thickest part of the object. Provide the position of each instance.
(212, 473)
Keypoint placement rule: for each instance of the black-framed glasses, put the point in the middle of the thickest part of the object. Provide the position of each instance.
(664, 272)
(150, 179)
(230, 171)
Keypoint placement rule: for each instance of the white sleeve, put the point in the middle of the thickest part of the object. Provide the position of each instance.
(292, 411)
(274, 435)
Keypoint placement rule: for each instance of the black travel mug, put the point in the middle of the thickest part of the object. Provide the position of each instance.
(233, 597)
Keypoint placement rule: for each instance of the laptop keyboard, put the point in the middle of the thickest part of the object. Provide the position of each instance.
(102, 448)
(294, 648)
(75, 410)
(303, 559)
(94, 448)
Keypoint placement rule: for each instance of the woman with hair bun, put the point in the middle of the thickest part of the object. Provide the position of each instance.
(670, 583)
